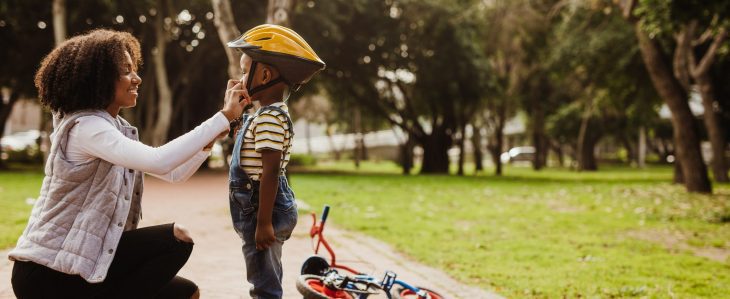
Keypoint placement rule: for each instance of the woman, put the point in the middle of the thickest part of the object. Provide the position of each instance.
(82, 239)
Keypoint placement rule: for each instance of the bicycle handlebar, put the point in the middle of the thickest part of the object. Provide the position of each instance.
(325, 212)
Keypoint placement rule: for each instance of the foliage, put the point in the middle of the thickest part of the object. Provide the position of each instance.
(302, 160)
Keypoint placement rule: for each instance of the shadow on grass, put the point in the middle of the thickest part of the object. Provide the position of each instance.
(562, 176)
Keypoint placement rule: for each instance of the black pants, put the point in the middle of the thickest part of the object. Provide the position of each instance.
(144, 266)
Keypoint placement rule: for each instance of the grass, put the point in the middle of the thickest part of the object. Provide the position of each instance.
(615, 233)
(556, 233)
(16, 188)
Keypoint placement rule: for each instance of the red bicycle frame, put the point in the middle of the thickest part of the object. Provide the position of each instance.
(316, 231)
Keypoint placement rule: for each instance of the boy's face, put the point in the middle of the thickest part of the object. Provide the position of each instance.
(261, 75)
(246, 66)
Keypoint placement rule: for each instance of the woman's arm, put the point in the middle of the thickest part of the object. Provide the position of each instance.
(186, 170)
(93, 137)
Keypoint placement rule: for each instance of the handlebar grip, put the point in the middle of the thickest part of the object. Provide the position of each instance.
(325, 213)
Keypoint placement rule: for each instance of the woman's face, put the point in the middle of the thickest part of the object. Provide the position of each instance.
(127, 86)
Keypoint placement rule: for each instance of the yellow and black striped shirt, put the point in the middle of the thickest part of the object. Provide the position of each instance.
(269, 130)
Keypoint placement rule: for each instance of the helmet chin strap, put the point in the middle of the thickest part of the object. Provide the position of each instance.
(249, 81)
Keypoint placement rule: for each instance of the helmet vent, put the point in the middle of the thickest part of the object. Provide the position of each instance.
(264, 38)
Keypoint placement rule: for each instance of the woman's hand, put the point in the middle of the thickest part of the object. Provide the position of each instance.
(235, 99)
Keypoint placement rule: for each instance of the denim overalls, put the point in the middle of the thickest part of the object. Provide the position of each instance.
(263, 267)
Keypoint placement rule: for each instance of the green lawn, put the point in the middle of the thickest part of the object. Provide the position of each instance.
(618, 232)
(16, 188)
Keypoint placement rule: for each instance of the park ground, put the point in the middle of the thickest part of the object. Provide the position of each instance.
(619, 232)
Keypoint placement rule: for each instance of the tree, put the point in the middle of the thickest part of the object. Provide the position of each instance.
(395, 65)
(227, 31)
(279, 12)
(158, 128)
(689, 44)
(595, 64)
(512, 32)
(26, 39)
(646, 16)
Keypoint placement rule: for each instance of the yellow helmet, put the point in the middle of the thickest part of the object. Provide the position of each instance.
(283, 49)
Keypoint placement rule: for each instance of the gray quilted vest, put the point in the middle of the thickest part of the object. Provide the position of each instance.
(82, 210)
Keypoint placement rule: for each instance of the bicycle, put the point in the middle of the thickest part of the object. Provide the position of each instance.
(320, 279)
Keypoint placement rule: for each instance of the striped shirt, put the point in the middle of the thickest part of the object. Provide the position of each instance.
(268, 131)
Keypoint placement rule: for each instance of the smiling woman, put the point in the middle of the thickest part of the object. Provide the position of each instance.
(82, 239)
(80, 74)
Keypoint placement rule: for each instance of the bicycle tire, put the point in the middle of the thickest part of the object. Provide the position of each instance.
(399, 292)
(312, 287)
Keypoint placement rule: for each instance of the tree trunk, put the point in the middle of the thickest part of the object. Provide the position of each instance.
(406, 155)
(538, 136)
(357, 124)
(714, 129)
(435, 152)
(476, 141)
(227, 31)
(678, 175)
(59, 21)
(279, 12)
(559, 152)
(59, 36)
(462, 156)
(686, 66)
(685, 131)
(586, 154)
(500, 138)
(5, 109)
(498, 142)
(164, 103)
(641, 155)
(308, 133)
(586, 158)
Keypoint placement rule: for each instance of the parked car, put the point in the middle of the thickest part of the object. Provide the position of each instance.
(20, 141)
(518, 154)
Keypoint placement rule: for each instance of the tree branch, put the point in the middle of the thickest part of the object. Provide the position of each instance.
(683, 56)
(709, 56)
(703, 38)
(628, 9)
(409, 108)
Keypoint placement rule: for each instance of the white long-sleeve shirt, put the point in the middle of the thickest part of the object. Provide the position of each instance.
(93, 137)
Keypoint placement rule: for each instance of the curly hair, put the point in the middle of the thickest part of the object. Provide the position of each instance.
(82, 72)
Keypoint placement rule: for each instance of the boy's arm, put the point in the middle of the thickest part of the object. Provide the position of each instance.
(270, 160)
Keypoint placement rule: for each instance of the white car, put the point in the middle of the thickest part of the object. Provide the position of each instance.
(517, 154)
(20, 141)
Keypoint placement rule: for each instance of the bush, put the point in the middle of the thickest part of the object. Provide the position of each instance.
(27, 155)
(302, 160)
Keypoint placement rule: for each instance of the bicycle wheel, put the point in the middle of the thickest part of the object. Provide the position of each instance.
(312, 287)
(399, 292)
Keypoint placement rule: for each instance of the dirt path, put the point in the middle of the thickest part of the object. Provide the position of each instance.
(216, 264)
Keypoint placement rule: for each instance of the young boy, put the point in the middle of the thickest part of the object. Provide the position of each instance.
(264, 213)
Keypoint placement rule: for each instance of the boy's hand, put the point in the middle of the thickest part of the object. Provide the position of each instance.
(235, 99)
(264, 236)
